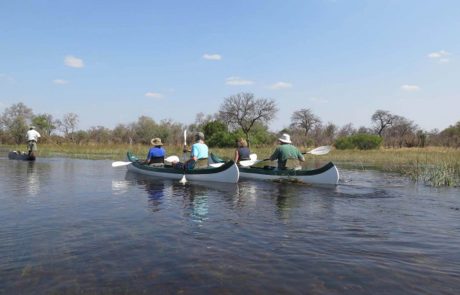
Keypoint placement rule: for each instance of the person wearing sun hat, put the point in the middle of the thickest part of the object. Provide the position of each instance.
(288, 156)
(156, 155)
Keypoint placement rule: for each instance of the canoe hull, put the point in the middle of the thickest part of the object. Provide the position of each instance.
(228, 173)
(14, 155)
(327, 174)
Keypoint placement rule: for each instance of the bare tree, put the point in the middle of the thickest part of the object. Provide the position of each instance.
(244, 110)
(382, 120)
(68, 124)
(305, 119)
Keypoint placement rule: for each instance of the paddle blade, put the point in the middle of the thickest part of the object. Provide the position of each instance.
(253, 157)
(120, 163)
(183, 180)
(322, 150)
(172, 159)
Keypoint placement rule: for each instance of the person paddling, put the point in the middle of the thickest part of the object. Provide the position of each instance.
(198, 154)
(156, 155)
(288, 156)
(242, 151)
(32, 138)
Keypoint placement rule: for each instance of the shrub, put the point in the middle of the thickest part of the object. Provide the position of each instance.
(360, 141)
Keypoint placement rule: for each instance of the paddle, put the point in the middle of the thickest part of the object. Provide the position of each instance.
(122, 163)
(322, 150)
(184, 156)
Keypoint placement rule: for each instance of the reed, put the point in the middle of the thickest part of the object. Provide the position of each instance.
(435, 166)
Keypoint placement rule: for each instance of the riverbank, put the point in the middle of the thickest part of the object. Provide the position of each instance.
(435, 166)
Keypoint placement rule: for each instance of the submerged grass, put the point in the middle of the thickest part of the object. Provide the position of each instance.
(435, 166)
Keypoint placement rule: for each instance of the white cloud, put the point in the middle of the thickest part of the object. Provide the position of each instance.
(154, 95)
(410, 88)
(73, 62)
(60, 81)
(237, 81)
(442, 56)
(281, 85)
(212, 56)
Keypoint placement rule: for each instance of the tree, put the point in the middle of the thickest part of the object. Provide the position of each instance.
(402, 132)
(244, 110)
(45, 123)
(304, 119)
(382, 120)
(145, 129)
(15, 120)
(68, 124)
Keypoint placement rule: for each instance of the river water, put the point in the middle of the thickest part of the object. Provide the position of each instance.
(80, 226)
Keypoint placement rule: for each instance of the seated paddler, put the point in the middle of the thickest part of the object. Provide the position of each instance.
(288, 156)
(198, 154)
(242, 152)
(156, 155)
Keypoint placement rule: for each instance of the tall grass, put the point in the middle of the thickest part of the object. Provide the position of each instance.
(434, 166)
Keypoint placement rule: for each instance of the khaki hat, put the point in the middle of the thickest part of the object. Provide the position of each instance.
(156, 141)
(285, 138)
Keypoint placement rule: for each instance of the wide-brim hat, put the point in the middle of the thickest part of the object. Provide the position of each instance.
(156, 141)
(285, 138)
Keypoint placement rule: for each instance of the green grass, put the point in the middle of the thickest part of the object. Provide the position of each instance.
(434, 166)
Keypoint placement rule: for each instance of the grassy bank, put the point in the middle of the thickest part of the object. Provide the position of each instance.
(433, 166)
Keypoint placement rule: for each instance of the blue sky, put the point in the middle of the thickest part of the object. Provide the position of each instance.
(111, 62)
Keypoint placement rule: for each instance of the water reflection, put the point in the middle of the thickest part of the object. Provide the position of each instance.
(33, 179)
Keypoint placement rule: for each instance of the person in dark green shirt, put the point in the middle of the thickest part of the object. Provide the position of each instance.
(288, 156)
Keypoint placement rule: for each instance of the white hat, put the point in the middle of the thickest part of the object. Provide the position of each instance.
(285, 138)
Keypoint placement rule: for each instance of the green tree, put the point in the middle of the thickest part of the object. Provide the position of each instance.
(15, 121)
(45, 123)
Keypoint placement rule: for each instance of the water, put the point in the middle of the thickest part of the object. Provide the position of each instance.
(80, 226)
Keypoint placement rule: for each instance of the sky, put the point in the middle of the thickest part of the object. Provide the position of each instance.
(111, 62)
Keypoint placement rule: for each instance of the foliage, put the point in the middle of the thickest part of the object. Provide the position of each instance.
(45, 123)
(15, 121)
(360, 141)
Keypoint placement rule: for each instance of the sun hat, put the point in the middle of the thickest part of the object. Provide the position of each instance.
(156, 141)
(285, 138)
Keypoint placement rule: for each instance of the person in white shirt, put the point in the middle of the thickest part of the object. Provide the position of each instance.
(32, 137)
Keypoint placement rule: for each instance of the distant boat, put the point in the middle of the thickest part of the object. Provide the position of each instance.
(15, 155)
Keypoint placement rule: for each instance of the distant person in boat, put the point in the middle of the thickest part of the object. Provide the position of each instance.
(242, 151)
(156, 155)
(198, 154)
(288, 156)
(32, 138)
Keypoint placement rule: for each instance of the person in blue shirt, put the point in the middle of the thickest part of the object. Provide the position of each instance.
(156, 155)
(199, 152)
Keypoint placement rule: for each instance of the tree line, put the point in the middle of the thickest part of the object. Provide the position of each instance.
(239, 115)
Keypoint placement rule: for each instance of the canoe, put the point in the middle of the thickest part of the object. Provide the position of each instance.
(226, 173)
(15, 155)
(327, 174)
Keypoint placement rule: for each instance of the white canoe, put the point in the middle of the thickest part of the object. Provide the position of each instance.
(226, 173)
(327, 174)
